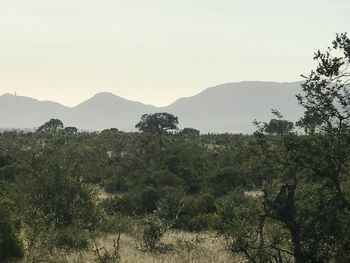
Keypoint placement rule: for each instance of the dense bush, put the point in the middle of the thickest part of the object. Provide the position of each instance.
(10, 245)
(71, 238)
(154, 228)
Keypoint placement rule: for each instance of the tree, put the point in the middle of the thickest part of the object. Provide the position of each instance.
(326, 97)
(71, 130)
(276, 125)
(110, 130)
(53, 125)
(326, 100)
(309, 191)
(306, 189)
(190, 132)
(157, 123)
(313, 200)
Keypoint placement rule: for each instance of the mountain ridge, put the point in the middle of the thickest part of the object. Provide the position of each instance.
(228, 107)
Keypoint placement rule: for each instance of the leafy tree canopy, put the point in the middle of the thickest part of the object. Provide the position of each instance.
(157, 123)
(326, 96)
(53, 125)
(71, 130)
(190, 132)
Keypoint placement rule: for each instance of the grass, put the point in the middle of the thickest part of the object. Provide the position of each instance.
(182, 247)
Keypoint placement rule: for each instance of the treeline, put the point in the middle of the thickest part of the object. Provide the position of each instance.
(278, 195)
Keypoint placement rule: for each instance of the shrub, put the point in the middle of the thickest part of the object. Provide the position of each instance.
(153, 229)
(102, 255)
(10, 245)
(115, 184)
(115, 223)
(71, 238)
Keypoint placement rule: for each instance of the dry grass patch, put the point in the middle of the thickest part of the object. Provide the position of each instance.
(182, 247)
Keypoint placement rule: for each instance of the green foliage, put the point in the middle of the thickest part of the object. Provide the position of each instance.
(171, 205)
(60, 197)
(276, 126)
(236, 219)
(53, 125)
(241, 222)
(7, 168)
(110, 130)
(154, 228)
(114, 223)
(10, 245)
(326, 101)
(115, 184)
(189, 132)
(71, 238)
(157, 123)
(225, 180)
(71, 130)
(197, 213)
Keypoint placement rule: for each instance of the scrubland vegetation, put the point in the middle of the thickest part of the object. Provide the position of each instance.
(168, 195)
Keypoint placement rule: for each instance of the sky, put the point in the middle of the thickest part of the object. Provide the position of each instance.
(156, 51)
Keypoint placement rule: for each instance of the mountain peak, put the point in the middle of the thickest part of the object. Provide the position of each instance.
(103, 99)
(104, 95)
(110, 98)
(7, 95)
(12, 97)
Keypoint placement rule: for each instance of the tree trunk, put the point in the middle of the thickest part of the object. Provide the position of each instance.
(299, 256)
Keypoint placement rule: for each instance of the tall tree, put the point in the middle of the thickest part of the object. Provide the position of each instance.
(157, 123)
(326, 100)
(53, 125)
(306, 189)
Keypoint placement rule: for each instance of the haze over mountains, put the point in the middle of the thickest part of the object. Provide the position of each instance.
(230, 107)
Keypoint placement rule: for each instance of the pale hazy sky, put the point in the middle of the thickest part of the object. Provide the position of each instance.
(156, 51)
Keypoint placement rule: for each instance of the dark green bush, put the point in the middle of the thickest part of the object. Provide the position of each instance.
(10, 244)
(115, 184)
(71, 238)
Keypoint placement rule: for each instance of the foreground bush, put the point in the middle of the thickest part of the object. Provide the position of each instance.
(10, 245)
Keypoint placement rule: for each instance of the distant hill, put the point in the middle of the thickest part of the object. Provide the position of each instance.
(22, 112)
(228, 107)
(234, 106)
(105, 110)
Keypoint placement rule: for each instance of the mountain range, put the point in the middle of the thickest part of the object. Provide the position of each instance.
(230, 107)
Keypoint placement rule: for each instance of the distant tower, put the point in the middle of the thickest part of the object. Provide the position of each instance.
(15, 93)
